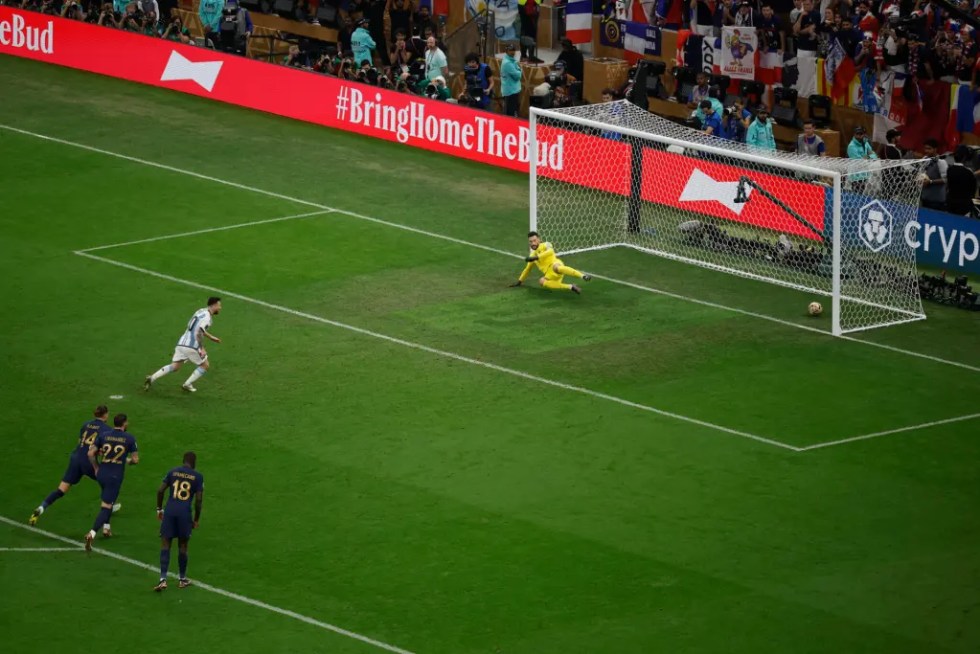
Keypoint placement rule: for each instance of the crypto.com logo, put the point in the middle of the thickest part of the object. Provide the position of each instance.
(875, 226)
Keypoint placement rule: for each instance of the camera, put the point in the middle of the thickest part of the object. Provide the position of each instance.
(957, 293)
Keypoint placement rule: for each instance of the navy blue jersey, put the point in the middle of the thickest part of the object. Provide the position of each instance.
(87, 435)
(114, 447)
(184, 484)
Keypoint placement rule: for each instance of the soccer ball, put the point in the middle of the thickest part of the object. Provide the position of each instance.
(815, 309)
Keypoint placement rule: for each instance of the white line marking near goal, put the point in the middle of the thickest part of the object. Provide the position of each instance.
(889, 432)
(225, 228)
(441, 353)
(252, 189)
(220, 591)
(77, 548)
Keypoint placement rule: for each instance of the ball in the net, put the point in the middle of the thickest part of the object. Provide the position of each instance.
(815, 309)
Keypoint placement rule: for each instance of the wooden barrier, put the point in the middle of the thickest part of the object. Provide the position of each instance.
(601, 73)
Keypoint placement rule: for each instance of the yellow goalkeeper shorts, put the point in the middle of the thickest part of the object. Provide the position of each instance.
(551, 275)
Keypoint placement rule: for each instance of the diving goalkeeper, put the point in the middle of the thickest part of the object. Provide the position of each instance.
(544, 257)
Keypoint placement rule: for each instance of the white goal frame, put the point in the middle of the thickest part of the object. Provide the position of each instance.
(806, 166)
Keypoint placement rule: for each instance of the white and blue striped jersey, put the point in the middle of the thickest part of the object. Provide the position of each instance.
(191, 337)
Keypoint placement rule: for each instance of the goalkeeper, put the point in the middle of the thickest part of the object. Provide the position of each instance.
(544, 257)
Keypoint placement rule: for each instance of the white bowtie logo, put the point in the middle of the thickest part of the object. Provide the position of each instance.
(701, 187)
(204, 73)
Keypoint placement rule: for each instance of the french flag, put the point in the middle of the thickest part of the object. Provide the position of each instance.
(578, 21)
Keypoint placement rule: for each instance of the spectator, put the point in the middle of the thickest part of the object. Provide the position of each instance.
(400, 13)
(724, 15)
(759, 134)
(344, 35)
(860, 148)
(826, 32)
(479, 82)
(510, 82)
(805, 28)
(209, 12)
(528, 10)
(361, 42)
(849, 38)
(933, 177)
(400, 57)
(572, 58)
(147, 7)
(796, 11)
(711, 124)
(962, 184)
(375, 13)
(435, 60)
(702, 14)
(772, 36)
(745, 16)
(701, 90)
(809, 142)
(865, 53)
(866, 21)
(423, 20)
(891, 151)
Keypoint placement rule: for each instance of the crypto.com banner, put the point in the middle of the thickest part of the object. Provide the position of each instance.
(419, 122)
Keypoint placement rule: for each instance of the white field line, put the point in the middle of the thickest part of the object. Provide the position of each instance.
(77, 548)
(220, 591)
(889, 432)
(209, 230)
(440, 353)
(252, 189)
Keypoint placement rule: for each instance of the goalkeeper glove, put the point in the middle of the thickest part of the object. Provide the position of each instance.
(517, 283)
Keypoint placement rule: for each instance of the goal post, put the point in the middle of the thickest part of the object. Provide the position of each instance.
(837, 228)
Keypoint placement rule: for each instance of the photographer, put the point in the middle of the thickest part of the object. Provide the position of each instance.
(479, 82)
(72, 10)
(175, 30)
(572, 59)
(296, 58)
(107, 17)
(437, 89)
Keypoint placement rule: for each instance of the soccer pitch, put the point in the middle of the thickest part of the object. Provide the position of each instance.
(402, 454)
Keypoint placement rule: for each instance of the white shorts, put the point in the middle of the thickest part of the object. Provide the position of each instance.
(183, 353)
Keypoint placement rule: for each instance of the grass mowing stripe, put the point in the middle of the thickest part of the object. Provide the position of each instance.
(443, 353)
(889, 432)
(79, 548)
(487, 248)
(220, 591)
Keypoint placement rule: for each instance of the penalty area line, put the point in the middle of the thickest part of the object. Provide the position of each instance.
(480, 246)
(220, 591)
(77, 548)
(442, 353)
(889, 432)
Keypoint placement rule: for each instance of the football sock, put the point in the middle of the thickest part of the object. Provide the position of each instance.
(166, 370)
(197, 374)
(565, 270)
(556, 286)
(164, 562)
(182, 564)
(106, 526)
(52, 497)
(103, 517)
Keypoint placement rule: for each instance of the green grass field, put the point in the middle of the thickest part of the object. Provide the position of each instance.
(403, 454)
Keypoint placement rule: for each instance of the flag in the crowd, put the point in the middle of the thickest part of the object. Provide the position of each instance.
(964, 115)
(578, 21)
(920, 124)
(770, 70)
(739, 52)
(639, 39)
(838, 71)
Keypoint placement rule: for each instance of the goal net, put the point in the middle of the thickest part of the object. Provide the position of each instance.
(832, 227)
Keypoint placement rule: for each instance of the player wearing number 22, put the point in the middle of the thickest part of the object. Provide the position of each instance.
(78, 463)
(185, 483)
(544, 257)
(109, 455)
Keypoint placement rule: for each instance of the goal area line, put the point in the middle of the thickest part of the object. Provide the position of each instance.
(912, 316)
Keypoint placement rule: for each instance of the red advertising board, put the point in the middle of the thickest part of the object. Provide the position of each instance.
(671, 179)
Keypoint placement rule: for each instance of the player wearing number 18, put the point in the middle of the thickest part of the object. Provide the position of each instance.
(185, 483)
(109, 455)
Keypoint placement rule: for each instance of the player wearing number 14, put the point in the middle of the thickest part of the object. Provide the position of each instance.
(185, 483)
(109, 455)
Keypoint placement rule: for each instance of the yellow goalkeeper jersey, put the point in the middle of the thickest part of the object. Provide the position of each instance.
(546, 259)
